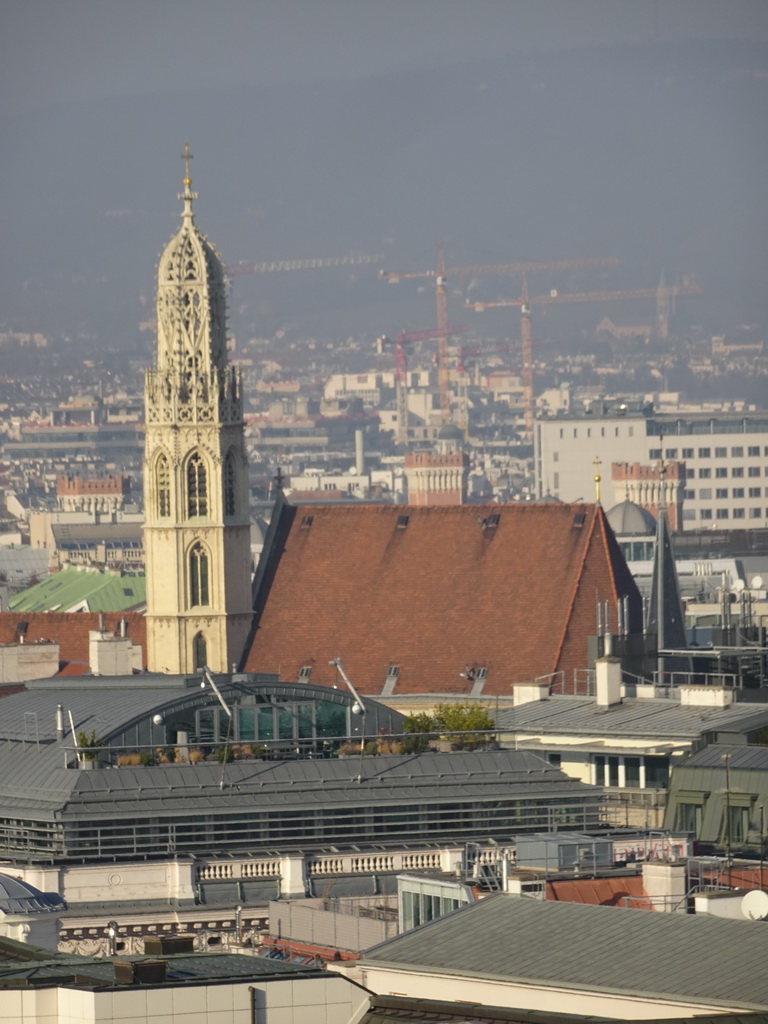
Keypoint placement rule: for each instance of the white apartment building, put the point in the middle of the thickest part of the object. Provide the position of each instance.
(725, 457)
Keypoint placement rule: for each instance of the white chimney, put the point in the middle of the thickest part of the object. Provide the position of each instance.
(359, 452)
(526, 693)
(607, 681)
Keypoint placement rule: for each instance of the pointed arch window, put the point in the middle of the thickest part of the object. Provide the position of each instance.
(198, 576)
(163, 487)
(197, 486)
(229, 484)
(199, 652)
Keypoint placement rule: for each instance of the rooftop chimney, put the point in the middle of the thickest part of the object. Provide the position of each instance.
(140, 972)
(607, 681)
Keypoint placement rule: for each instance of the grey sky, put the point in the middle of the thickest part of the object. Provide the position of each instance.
(62, 50)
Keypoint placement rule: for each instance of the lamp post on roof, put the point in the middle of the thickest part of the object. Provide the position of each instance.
(358, 708)
(208, 678)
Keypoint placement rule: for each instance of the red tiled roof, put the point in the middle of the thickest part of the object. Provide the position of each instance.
(435, 594)
(608, 892)
(70, 630)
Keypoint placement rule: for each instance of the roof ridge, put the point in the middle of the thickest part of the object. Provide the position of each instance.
(572, 602)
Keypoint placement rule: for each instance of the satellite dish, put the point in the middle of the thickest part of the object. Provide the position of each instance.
(738, 586)
(755, 905)
(757, 583)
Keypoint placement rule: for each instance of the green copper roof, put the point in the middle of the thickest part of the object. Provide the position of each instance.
(73, 589)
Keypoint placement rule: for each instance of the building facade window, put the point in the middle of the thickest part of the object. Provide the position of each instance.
(737, 492)
(706, 513)
(623, 771)
(737, 453)
(737, 471)
(721, 453)
(721, 472)
(753, 471)
(722, 513)
(689, 495)
(705, 493)
(705, 474)
(199, 594)
(738, 513)
(687, 453)
(704, 453)
(229, 485)
(721, 492)
(163, 487)
(689, 817)
(754, 513)
(197, 487)
(753, 451)
(754, 492)
(199, 652)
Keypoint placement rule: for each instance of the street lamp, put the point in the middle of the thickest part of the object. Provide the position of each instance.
(727, 760)
(358, 708)
(112, 936)
(207, 677)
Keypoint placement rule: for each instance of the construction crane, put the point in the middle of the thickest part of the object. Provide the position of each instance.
(440, 276)
(321, 263)
(462, 375)
(664, 295)
(401, 368)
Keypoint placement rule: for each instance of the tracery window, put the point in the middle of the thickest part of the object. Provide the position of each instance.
(163, 487)
(197, 486)
(198, 576)
(199, 652)
(229, 484)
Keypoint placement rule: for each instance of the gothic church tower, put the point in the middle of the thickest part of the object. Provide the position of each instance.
(196, 526)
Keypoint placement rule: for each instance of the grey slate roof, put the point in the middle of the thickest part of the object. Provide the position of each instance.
(749, 758)
(659, 718)
(33, 776)
(182, 789)
(686, 957)
(192, 968)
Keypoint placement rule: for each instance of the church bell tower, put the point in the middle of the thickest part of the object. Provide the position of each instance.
(196, 525)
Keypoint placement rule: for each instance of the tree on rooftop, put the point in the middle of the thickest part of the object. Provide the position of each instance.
(458, 722)
(421, 730)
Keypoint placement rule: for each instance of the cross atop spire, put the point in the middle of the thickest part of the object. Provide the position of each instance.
(662, 475)
(187, 195)
(186, 156)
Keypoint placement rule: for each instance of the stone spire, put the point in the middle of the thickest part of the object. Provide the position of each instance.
(196, 526)
(191, 295)
(665, 610)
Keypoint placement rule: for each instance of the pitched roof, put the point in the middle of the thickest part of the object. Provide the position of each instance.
(70, 630)
(694, 958)
(71, 588)
(610, 892)
(511, 588)
(656, 717)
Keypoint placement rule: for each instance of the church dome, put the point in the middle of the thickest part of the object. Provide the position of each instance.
(18, 897)
(450, 432)
(629, 518)
(547, 499)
